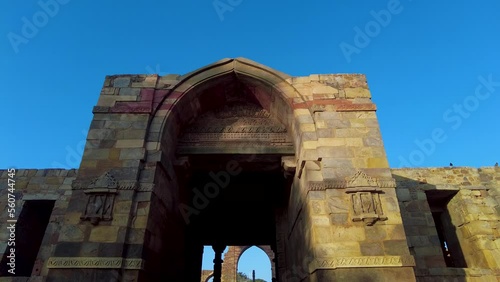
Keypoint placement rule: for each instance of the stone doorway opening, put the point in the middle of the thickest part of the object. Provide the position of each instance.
(228, 143)
(240, 263)
(232, 200)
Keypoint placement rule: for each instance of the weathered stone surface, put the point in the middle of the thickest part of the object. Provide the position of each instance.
(344, 216)
(104, 234)
(121, 81)
(129, 92)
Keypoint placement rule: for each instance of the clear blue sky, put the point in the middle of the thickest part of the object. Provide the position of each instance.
(423, 65)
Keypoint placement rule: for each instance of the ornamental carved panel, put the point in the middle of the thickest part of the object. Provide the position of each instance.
(100, 199)
(366, 207)
(238, 124)
(364, 196)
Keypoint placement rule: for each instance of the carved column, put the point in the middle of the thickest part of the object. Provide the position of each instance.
(218, 249)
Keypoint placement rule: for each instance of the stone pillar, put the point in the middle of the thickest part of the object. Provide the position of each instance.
(218, 249)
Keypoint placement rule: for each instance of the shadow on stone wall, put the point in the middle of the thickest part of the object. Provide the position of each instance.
(431, 236)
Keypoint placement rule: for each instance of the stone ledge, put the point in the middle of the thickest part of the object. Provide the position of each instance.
(95, 262)
(364, 261)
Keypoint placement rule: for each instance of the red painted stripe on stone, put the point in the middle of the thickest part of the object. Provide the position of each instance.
(327, 102)
(159, 95)
(300, 106)
(356, 107)
(147, 94)
(175, 94)
(321, 96)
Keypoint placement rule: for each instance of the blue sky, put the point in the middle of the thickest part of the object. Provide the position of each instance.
(427, 65)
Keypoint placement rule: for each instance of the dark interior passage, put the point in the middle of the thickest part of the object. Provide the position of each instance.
(234, 201)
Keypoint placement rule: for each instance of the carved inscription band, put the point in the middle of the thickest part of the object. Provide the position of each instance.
(365, 261)
(328, 184)
(94, 262)
(360, 179)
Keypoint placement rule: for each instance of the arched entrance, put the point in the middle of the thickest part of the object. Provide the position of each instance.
(170, 160)
(234, 133)
(232, 259)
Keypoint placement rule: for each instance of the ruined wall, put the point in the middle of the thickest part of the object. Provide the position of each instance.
(469, 202)
(33, 185)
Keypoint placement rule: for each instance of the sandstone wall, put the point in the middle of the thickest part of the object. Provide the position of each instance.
(32, 185)
(470, 200)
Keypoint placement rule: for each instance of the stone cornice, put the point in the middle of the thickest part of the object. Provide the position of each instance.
(360, 179)
(95, 262)
(363, 261)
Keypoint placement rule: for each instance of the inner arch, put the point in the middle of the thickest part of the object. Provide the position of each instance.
(255, 258)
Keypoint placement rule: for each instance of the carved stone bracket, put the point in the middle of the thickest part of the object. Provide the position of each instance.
(289, 166)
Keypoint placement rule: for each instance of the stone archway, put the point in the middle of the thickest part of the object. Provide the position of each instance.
(232, 257)
(333, 216)
(234, 115)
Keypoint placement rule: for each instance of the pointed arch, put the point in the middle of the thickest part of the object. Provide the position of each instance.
(194, 93)
(232, 259)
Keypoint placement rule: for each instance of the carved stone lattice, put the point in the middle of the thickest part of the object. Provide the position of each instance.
(365, 199)
(100, 199)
